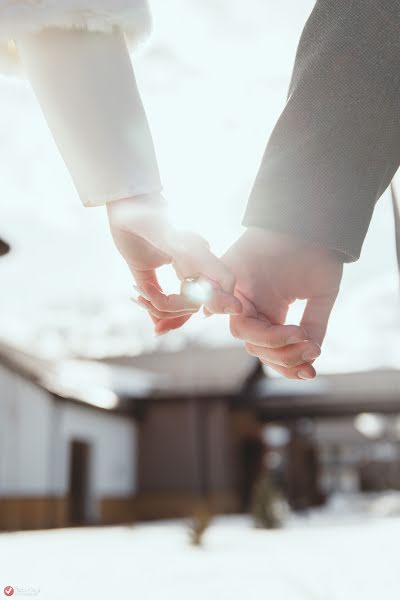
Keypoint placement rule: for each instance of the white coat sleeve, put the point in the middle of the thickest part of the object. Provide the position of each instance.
(85, 84)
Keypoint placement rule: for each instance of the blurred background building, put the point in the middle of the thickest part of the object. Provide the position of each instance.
(164, 434)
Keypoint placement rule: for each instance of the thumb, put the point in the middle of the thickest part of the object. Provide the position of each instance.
(249, 310)
(316, 316)
(192, 257)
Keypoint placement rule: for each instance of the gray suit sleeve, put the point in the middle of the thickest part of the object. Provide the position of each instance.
(336, 145)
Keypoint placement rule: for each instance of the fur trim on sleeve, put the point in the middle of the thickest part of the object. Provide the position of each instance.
(32, 16)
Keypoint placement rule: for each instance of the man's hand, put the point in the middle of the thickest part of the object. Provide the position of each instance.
(147, 240)
(273, 270)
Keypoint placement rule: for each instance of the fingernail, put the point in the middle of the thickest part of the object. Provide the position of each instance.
(305, 375)
(160, 333)
(294, 339)
(311, 354)
(139, 303)
(141, 292)
(231, 310)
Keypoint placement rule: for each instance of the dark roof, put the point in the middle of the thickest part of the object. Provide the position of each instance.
(338, 394)
(199, 370)
(123, 383)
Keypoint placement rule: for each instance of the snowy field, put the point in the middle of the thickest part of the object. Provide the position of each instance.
(322, 557)
(213, 80)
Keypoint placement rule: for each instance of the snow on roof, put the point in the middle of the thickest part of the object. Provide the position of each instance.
(203, 370)
(92, 383)
(218, 371)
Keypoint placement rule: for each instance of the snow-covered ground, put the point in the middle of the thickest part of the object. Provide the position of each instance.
(213, 80)
(329, 555)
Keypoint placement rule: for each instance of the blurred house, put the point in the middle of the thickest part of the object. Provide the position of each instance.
(60, 449)
(162, 434)
(105, 442)
(337, 434)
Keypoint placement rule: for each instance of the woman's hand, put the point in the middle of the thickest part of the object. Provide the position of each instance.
(147, 240)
